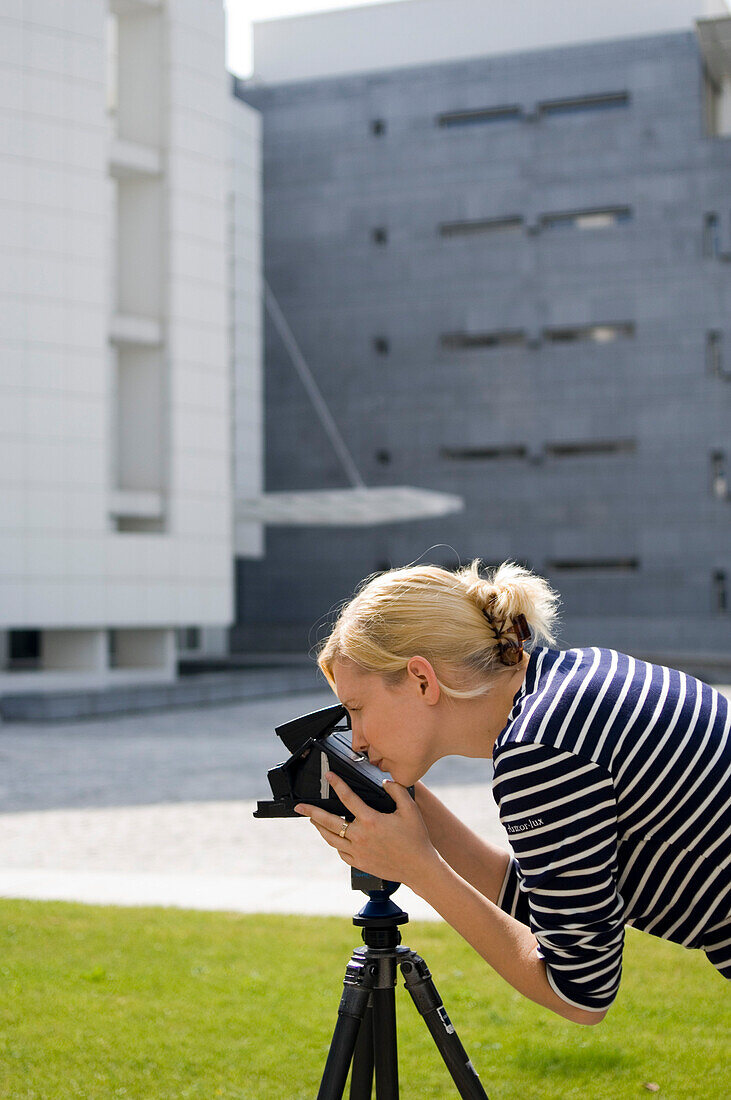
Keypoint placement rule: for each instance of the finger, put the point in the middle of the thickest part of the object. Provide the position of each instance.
(315, 813)
(333, 839)
(348, 798)
(399, 794)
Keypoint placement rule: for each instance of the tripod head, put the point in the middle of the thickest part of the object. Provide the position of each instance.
(379, 917)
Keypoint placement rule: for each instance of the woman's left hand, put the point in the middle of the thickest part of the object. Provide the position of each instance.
(393, 846)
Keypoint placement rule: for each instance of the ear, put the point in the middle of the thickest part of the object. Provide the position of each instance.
(423, 679)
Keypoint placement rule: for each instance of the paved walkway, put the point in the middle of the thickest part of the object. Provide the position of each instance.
(157, 810)
(200, 855)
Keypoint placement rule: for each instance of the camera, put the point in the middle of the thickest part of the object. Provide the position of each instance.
(320, 742)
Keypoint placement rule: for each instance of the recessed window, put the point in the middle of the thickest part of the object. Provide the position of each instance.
(591, 447)
(587, 565)
(379, 235)
(597, 334)
(139, 525)
(24, 650)
(482, 226)
(483, 453)
(383, 457)
(478, 115)
(714, 355)
(719, 475)
(605, 101)
(381, 345)
(587, 219)
(720, 590)
(378, 127)
(499, 339)
(711, 235)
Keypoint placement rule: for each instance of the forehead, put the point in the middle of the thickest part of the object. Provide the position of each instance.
(351, 682)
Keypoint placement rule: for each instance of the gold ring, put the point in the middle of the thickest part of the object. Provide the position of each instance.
(344, 830)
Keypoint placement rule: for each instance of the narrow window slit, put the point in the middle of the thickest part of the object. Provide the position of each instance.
(469, 117)
(498, 339)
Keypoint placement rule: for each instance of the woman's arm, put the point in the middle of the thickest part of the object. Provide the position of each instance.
(478, 862)
(508, 946)
(397, 847)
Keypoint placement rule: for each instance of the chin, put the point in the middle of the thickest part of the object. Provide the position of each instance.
(403, 780)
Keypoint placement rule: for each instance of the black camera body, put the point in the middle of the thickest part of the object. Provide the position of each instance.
(320, 742)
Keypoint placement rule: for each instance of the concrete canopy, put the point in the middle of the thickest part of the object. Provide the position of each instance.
(347, 507)
(714, 36)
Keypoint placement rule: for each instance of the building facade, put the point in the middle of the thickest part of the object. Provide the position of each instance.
(127, 325)
(508, 266)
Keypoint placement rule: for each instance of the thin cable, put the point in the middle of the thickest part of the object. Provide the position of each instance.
(305, 374)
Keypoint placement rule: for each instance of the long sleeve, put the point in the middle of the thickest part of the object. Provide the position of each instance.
(560, 815)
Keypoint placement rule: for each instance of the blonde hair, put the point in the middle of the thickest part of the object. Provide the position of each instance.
(438, 615)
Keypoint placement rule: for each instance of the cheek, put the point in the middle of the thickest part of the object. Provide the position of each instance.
(417, 743)
(380, 735)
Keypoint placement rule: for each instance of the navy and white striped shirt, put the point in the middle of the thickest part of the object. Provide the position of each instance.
(613, 781)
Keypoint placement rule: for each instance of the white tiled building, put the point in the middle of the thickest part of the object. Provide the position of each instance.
(125, 328)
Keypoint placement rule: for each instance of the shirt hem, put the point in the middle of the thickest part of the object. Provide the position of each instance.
(567, 1000)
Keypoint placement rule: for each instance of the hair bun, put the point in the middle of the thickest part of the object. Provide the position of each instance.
(482, 592)
(509, 591)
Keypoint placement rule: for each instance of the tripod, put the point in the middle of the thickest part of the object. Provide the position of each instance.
(365, 1032)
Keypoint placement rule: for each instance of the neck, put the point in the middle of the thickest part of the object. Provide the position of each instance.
(471, 726)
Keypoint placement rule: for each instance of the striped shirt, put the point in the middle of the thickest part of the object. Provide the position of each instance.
(613, 781)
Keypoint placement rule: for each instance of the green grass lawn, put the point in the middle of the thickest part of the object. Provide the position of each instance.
(100, 1002)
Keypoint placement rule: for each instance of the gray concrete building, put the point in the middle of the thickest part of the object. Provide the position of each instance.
(510, 274)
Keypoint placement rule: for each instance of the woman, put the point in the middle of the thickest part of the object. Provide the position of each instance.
(612, 778)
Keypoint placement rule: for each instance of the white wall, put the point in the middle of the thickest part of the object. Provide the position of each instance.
(54, 306)
(417, 32)
(94, 344)
(198, 183)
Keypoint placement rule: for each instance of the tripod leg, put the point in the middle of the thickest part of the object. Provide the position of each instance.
(384, 1043)
(420, 985)
(361, 1080)
(352, 1009)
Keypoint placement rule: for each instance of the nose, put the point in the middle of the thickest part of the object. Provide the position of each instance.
(357, 741)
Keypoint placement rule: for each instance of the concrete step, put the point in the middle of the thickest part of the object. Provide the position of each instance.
(204, 689)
